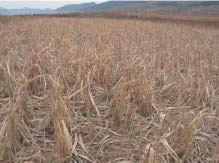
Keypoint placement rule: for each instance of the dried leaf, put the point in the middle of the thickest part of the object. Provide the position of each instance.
(170, 149)
(67, 136)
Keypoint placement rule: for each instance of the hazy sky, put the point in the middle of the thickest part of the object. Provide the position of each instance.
(52, 3)
(41, 3)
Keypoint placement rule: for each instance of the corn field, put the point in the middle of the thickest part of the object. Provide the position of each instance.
(95, 90)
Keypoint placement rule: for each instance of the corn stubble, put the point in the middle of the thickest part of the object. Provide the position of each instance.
(101, 90)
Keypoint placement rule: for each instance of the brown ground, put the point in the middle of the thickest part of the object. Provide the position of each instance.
(206, 21)
(108, 90)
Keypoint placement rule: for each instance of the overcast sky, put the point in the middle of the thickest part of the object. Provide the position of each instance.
(53, 3)
(41, 3)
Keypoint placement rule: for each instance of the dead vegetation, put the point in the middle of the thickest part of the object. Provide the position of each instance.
(101, 90)
(189, 19)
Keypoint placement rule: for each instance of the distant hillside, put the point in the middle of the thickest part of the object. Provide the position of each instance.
(191, 7)
(24, 11)
(200, 7)
(112, 5)
(3, 10)
(205, 4)
(75, 7)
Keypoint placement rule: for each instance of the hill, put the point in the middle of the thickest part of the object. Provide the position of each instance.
(24, 11)
(114, 5)
(3, 10)
(150, 5)
(75, 7)
(190, 7)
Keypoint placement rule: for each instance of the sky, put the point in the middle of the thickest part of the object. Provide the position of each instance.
(9, 4)
(53, 4)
